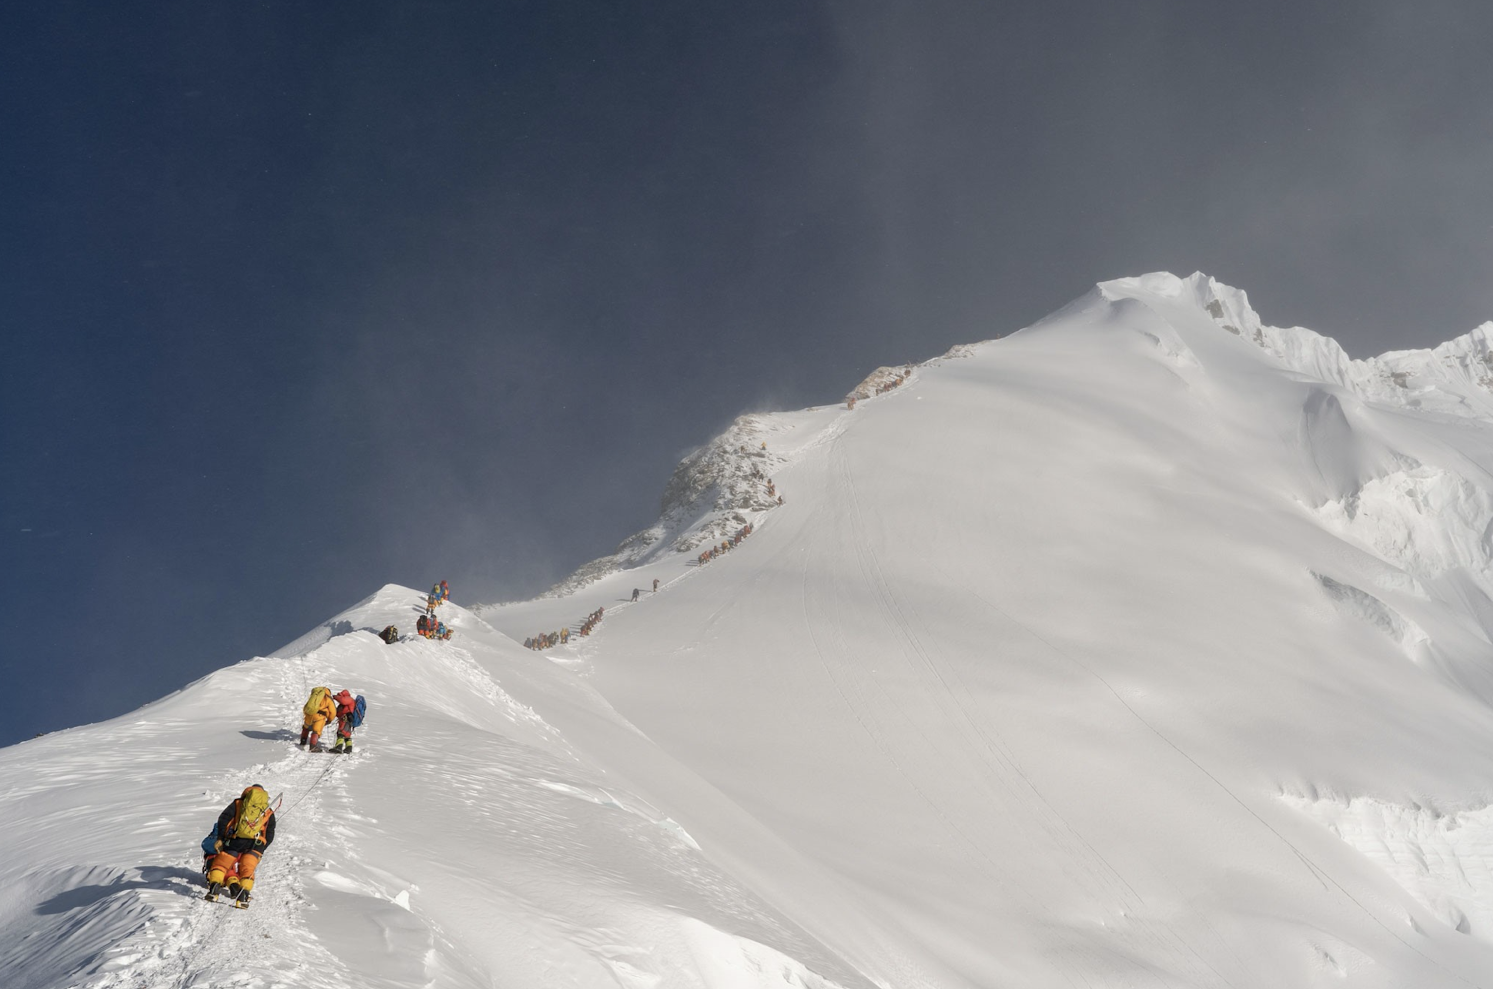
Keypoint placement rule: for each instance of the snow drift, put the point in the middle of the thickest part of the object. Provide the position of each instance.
(1148, 646)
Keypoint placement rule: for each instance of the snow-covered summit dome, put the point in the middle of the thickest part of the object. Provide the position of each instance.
(1455, 377)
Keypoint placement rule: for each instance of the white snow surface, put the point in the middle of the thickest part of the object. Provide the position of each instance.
(1148, 646)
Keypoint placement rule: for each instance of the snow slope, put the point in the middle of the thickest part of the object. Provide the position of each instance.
(1149, 646)
(466, 842)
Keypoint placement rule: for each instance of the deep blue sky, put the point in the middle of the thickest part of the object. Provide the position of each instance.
(298, 299)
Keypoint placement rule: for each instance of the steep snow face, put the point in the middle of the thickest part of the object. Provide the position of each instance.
(1147, 646)
(1040, 639)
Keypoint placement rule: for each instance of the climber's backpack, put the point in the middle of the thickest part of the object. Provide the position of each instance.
(314, 704)
(253, 810)
(360, 708)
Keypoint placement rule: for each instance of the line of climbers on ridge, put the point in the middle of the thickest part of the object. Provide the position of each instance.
(432, 628)
(638, 590)
(548, 640)
(245, 829)
(887, 386)
(881, 389)
(725, 547)
(439, 594)
(427, 625)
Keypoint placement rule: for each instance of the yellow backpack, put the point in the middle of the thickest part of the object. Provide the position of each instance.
(253, 811)
(314, 704)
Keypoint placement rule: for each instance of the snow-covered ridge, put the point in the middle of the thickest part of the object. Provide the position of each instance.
(1455, 377)
(723, 486)
(467, 842)
(712, 493)
(720, 487)
(880, 380)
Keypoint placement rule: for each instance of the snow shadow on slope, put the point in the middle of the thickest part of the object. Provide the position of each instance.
(151, 877)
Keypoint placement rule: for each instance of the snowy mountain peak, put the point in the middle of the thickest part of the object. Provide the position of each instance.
(1150, 647)
(1224, 303)
(721, 486)
(1454, 378)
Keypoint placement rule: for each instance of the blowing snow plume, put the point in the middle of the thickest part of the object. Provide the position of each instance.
(1147, 646)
